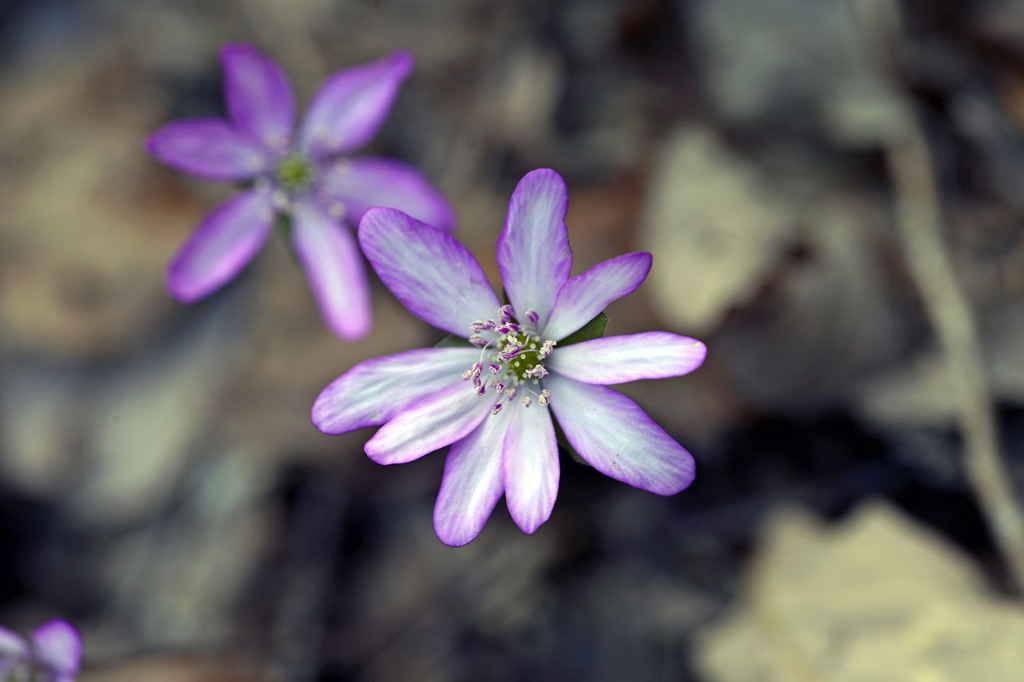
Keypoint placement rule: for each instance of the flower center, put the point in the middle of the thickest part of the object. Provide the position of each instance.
(514, 361)
(295, 174)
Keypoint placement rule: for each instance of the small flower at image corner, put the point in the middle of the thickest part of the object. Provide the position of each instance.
(53, 654)
(495, 399)
(304, 173)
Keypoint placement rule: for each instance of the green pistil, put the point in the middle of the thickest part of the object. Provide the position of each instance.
(527, 358)
(295, 173)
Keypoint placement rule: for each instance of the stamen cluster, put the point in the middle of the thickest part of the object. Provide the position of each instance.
(514, 359)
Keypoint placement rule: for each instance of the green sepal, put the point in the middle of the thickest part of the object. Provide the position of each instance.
(283, 225)
(453, 341)
(591, 330)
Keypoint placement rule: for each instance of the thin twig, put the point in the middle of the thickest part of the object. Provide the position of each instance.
(919, 223)
(920, 228)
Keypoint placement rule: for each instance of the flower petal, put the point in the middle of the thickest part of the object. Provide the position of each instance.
(361, 184)
(12, 646)
(59, 646)
(223, 244)
(581, 298)
(472, 483)
(430, 272)
(352, 106)
(438, 420)
(330, 256)
(258, 96)
(209, 148)
(533, 249)
(615, 359)
(374, 391)
(617, 437)
(530, 466)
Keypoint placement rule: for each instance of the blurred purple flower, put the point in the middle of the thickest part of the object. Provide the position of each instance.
(494, 402)
(304, 174)
(53, 655)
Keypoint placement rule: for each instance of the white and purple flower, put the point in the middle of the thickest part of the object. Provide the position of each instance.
(53, 655)
(304, 174)
(495, 401)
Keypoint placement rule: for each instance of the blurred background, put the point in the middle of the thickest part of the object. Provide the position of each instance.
(161, 485)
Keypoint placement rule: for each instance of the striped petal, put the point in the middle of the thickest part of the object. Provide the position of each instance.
(337, 276)
(223, 244)
(530, 466)
(533, 249)
(352, 106)
(360, 184)
(616, 359)
(258, 95)
(615, 436)
(438, 420)
(374, 391)
(581, 298)
(473, 482)
(208, 148)
(429, 271)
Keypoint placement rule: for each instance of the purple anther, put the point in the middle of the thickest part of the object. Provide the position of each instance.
(545, 397)
(495, 369)
(477, 327)
(499, 387)
(537, 372)
(505, 312)
(545, 349)
(496, 409)
(510, 353)
(532, 316)
(526, 401)
(478, 341)
(467, 374)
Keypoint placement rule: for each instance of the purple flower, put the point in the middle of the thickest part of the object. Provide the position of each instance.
(494, 402)
(52, 656)
(304, 174)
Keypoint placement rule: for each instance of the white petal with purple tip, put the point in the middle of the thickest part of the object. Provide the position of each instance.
(11, 645)
(223, 244)
(208, 148)
(430, 272)
(437, 420)
(375, 391)
(352, 105)
(59, 646)
(258, 96)
(530, 467)
(472, 483)
(615, 436)
(330, 256)
(581, 298)
(362, 183)
(533, 249)
(616, 359)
